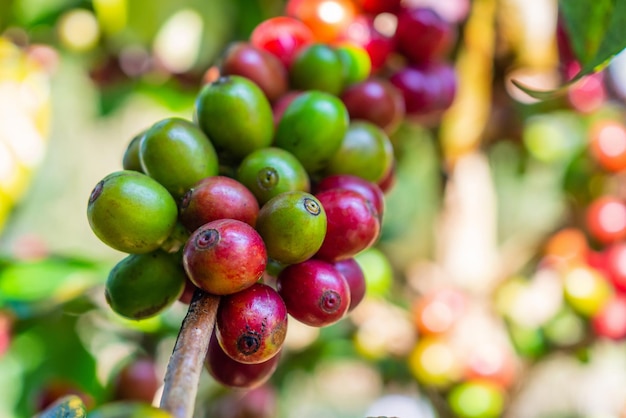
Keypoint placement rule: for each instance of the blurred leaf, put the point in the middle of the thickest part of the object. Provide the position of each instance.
(30, 13)
(128, 410)
(597, 32)
(52, 279)
(67, 407)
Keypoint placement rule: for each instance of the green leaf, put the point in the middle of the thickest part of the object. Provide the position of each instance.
(597, 32)
(70, 406)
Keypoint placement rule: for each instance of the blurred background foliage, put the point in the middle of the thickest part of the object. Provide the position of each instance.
(477, 195)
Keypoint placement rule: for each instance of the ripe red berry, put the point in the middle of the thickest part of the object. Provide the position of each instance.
(352, 224)
(224, 256)
(422, 34)
(251, 324)
(352, 272)
(282, 36)
(314, 292)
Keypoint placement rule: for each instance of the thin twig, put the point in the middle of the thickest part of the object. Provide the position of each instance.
(186, 362)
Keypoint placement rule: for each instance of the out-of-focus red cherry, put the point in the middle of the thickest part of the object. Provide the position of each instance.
(378, 45)
(608, 144)
(283, 36)
(606, 219)
(610, 321)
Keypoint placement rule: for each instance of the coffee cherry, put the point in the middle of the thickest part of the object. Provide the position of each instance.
(477, 399)
(365, 151)
(57, 388)
(426, 87)
(367, 189)
(326, 18)
(355, 62)
(314, 292)
(252, 324)
(606, 219)
(610, 321)
(375, 100)
(312, 128)
(236, 116)
(143, 285)
(271, 171)
(352, 227)
(235, 374)
(293, 226)
(280, 105)
(131, 160)
(351, 271)
(177, 154)
(137, 381)
(613, 259)
(389, 179)
(608, 144)
(224, 256)
(378, 46)
(317, 67)
(260, 66)
(422, 35)
(188, 292)
(281, 36)
(131, 212)
(217, 197)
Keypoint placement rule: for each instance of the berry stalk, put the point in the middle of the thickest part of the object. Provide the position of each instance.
(186, 363)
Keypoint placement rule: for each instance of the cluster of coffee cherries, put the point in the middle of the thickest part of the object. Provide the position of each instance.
(277, 181)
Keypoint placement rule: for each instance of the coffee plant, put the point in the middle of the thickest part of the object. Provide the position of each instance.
(286, 201)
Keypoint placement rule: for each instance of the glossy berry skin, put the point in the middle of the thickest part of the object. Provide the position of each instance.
(137, 381)
(271, 171)
(353, 224)
(606, 219)
(352, 272)
(236, 116)
(367, 189)
(317, 67)
(422, 35)
(366, 151)
(280, 105)
(217, 197)
(282, 36)
(355, 61)
(312, 128)
(362, 32)
(131, 212)
(314, 292)
(127, 284)
(234, 374)
(251, 324)
(260, 66)
(130, 160)
(375, 100)
(426, 88)
(293, 226)
(177, 154)
(224, 256)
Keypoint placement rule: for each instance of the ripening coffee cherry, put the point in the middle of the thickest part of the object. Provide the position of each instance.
(312, 128)
(352, 224)
(137, 381)
(260, 66)
(224, 256)
(282, 36)
(426, 87)
(217, 197)
(352, 272)
(235, 374)
(422, 34)
(367, 189)
(355, 62)
(317, 67)
(293, 226)
(130, 160)
(375, 100)
(177, 154)
(366, 151)
(144, 285)
(271, 171)
(314, 292)
(131, 212)
(235, 114)
(251, 324)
